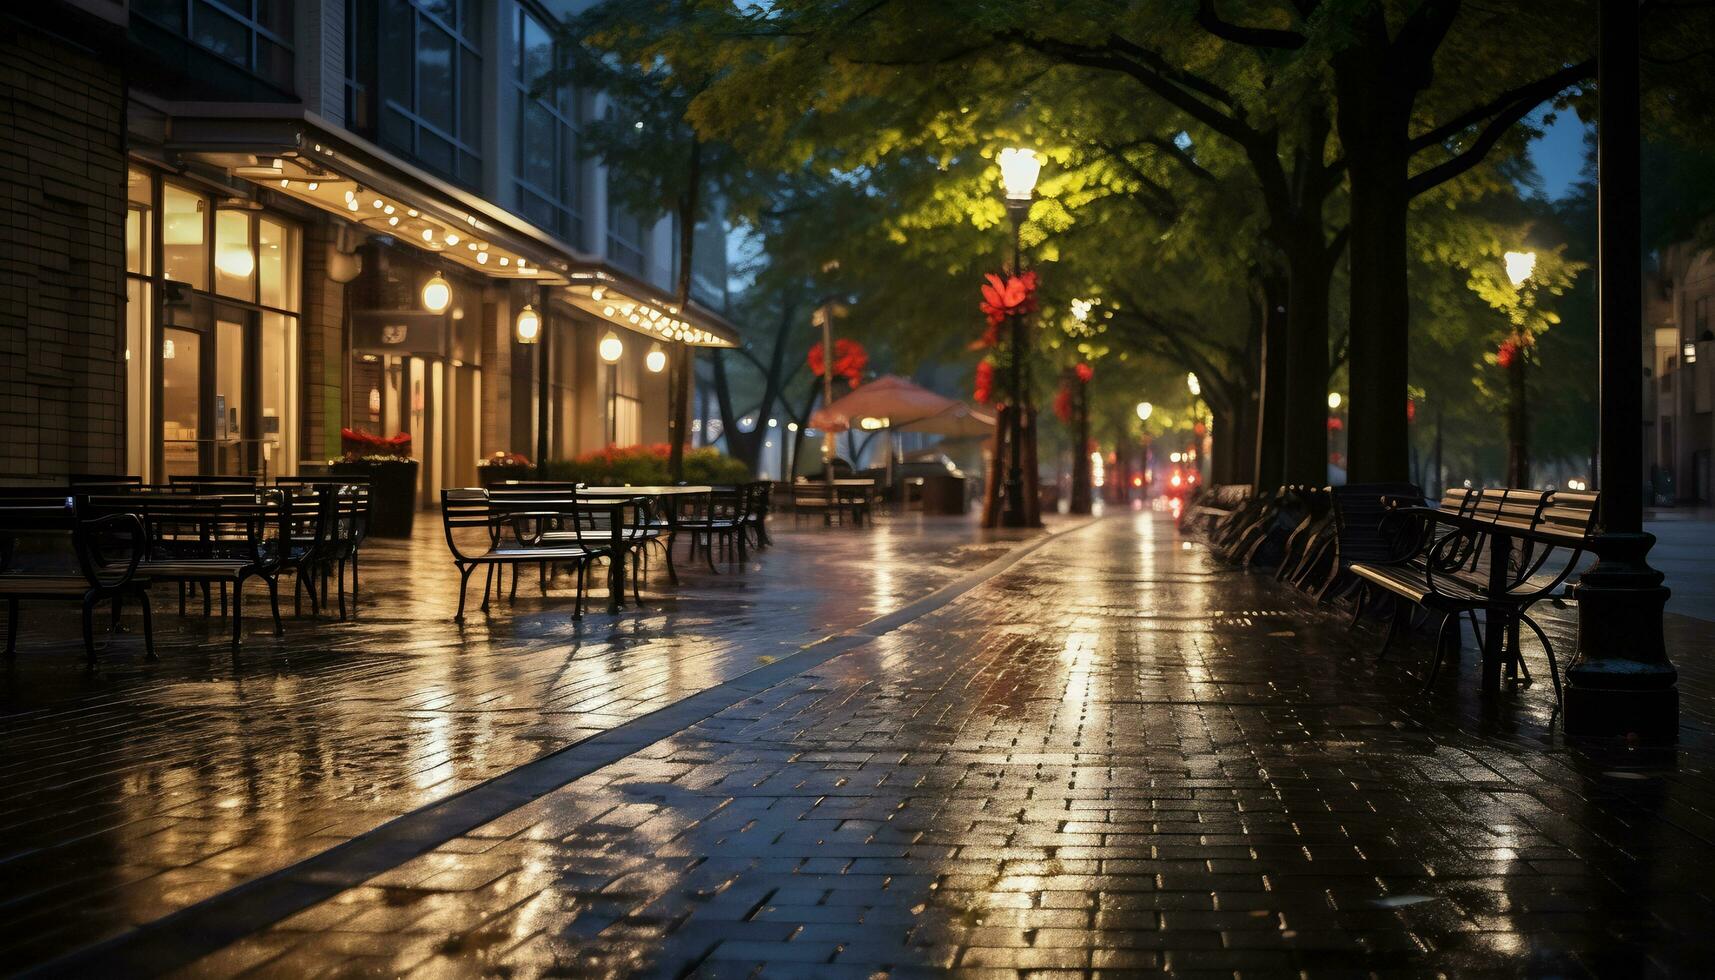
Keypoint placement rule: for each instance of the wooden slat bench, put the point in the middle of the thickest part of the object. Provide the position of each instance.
(1492, 556)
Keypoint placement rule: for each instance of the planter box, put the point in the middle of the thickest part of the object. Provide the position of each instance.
(493, 476)
(392, 494)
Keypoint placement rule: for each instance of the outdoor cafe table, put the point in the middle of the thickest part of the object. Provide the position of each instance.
(842, 492)
(616, 569)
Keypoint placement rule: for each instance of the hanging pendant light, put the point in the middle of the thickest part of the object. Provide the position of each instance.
(437, 294)
(528, 325)
(612, 348)
(656, 359)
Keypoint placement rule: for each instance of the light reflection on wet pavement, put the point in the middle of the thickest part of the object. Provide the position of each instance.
(153, 786)
(1112, 756)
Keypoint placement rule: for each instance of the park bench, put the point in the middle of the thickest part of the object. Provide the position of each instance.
(49, 551)
(1363, 531)
(1215, 504)
(1496, 555)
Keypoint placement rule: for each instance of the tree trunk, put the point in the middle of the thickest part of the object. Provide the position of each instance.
(679, 378)
(1081, 476)
(1304, 433)
(996, 469)
(1270, 415)
(1373, 125)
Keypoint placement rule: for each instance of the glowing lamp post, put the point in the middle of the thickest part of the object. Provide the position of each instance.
(1144, 411)
(1019, 169)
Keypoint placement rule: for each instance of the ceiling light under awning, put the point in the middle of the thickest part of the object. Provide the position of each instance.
(627, 305)
(418, 222)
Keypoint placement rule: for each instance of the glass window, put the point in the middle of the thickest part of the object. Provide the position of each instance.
(234, 255)
(278, 430)
(255, 35)
(184, 236)
(139, 197)
(435, 97)
(277, 260)
(547, 169)
(428, 82)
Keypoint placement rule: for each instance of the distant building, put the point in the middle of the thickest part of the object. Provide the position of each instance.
(1679, 309)
(221, 222)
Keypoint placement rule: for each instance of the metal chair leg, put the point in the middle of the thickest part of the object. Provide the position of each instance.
(1440, 649)
(274, 602)
(1400, 612)
(1358, 604)
(1548, 649)
(464, 578)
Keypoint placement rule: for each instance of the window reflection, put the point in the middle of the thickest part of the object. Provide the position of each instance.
(184, 236)
(234, 258)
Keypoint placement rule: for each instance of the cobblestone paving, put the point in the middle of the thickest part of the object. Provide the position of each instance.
(153, 786)
(1112, 757)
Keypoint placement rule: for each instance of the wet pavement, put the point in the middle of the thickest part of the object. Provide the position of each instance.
(149, 787)
(1108, 755)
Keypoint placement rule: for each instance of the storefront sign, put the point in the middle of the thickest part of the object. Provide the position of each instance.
(411, 332)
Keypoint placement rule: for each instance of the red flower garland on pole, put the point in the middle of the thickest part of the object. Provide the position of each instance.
(1003, 297)
(984, 393)
(850, 361)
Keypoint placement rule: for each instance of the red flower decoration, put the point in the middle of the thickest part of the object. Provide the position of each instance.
(1004, 297)
(1509, 350)
(1063, 403)
(850, 360)
(984, 393)
(357, 444)
(1085, 372)
(1411, 410)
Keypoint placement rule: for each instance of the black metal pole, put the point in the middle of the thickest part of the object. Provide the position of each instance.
(543, 389)
(1621, 683)
(612, 402)
(1014, 513)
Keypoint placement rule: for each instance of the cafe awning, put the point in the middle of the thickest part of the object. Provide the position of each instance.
(297, 155)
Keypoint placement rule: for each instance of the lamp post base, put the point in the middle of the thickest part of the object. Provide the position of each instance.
(1622, 684)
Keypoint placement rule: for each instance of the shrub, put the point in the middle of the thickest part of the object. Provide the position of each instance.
(646, 466)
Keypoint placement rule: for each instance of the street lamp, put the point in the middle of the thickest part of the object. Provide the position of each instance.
(611, 350)
(1520, 266)
(1019, 169)
(1144, 411)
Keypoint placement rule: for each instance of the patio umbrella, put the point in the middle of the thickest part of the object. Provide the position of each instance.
(960, 421)
(891, 402)
(887, 402)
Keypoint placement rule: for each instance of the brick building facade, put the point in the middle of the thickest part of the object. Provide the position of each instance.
(227, 239)
(62, 184)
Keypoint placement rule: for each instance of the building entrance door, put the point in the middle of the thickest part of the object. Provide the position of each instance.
(211, 358)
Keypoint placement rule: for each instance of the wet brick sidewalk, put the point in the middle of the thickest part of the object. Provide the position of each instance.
(149, 787)
(1110, 757)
